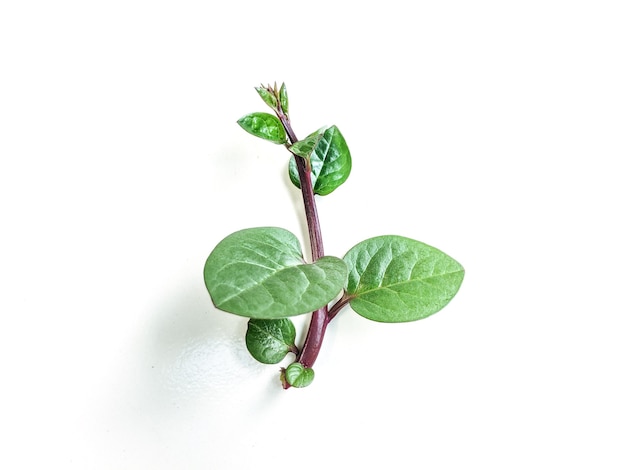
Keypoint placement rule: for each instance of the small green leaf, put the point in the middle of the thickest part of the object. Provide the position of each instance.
(299, 376)
(267, 96)
(331, 162)
(269, 341)
(265, 126)
(284, 101)
(396, 279)
(261, 273)
(303, 148)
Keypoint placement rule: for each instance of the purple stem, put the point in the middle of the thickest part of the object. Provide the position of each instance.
(319, 318)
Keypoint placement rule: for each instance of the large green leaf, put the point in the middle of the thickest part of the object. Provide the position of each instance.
(264, 125)
(395, 279)
(261, 273)
(330, 161)
(269, 341)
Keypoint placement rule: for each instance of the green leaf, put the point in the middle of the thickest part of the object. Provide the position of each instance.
(303, 148)
(284, 101)
(269, 341)
(261, 273)
(299, 376)
(267, 96)
(395, 279)
(330, 162)
(264, 125)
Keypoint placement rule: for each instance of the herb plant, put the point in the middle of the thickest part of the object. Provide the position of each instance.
(261, 273)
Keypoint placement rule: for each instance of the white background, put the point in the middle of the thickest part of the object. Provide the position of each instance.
(491, 130)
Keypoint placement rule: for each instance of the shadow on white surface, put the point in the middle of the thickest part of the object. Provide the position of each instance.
(188, 365)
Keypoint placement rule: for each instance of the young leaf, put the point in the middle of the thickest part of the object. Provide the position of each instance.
(264, 125)
(284, 101)
(303, 148)
(269, 341)
(396, 279)
(298, 376)
(261, 273)
(268, 97)
(330, 162)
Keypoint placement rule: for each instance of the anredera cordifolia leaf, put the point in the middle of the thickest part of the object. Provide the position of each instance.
(303, 148)
(331, 162)
(396, 279)
(264, 125)
(284, 100)
(261, 273)
(268, 97)
(299, 376)
(269, 341)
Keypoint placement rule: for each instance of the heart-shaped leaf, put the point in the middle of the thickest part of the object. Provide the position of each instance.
(330, 159)
(264, 125)
(395, 279)
(298, 376)
(269, 341)
(261, 273)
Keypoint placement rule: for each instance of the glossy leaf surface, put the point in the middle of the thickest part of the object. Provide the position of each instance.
(269, 341)
(267, 96)
(261, 273)
(299, 376)
(284, 100)
(305, 147)
(331, 162)
(396, 279)
(264, 125)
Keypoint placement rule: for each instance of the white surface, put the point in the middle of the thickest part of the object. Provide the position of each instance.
(492, 130)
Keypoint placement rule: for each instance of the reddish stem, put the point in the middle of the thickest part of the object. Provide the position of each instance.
(319, 318)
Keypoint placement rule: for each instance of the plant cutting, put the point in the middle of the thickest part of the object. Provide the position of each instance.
(261, 273)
